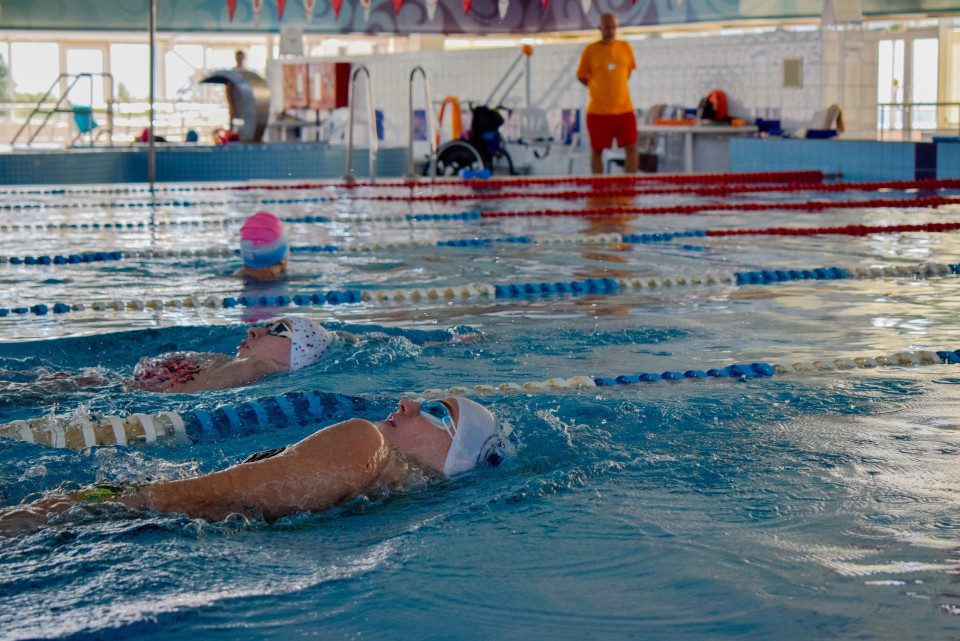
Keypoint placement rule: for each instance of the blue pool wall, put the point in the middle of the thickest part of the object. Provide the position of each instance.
(856, 160)
(191, 163)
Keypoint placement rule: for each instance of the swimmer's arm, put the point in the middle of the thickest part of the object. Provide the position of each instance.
(324, 470)
(236, 373)
(347, 337)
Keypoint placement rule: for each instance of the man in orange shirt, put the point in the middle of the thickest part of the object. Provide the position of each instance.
(605, 67)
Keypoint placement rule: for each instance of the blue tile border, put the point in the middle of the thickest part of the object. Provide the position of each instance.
(190, 163)
(857, 160)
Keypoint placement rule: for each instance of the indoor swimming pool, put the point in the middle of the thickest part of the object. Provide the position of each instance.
(733, 398)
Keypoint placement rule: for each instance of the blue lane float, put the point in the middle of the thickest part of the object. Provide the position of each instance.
(226, 421)
(590, 286)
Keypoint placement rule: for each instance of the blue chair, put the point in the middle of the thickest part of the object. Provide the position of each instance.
(86, 125)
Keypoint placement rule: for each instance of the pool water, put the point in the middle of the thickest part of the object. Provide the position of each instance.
(798, 506)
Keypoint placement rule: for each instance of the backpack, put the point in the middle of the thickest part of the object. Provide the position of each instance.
(705, 110)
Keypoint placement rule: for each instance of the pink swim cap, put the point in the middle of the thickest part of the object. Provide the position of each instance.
(262, 242)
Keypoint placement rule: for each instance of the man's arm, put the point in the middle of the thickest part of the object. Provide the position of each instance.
(326, 469)
(238, 373)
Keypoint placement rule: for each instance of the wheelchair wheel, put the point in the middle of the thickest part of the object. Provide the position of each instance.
(498, 160)
(454, 156)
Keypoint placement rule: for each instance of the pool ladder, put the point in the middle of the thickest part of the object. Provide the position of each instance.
(431, 127)
(350, 177)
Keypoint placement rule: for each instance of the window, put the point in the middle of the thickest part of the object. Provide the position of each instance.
(129, 64)
(182, 63)
(34, 68)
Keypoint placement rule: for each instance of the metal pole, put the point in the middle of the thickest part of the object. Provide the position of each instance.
(151, 151)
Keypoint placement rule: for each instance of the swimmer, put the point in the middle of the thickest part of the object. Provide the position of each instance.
(263, 248)
(329, 468)
(281, 345)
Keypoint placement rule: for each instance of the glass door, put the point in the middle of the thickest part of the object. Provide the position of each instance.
(907, 85)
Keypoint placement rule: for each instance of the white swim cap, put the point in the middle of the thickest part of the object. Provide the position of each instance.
(477, 438)
(309, 343)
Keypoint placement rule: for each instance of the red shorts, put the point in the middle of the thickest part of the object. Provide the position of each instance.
(604, 128)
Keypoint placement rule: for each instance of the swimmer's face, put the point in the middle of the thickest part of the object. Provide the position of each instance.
(608, 28)
(408, 430)
(272, 341)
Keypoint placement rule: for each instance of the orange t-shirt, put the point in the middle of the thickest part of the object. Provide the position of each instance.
(606, 69)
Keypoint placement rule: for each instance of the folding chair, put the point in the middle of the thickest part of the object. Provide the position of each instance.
(86, 125)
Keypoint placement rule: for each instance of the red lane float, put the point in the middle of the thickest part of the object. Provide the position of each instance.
(849, 230)
(814, 206)
(723, 190)
(672, 179)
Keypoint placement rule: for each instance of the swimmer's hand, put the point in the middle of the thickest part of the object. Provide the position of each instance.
(24, 519)
(465, 334)
(21, 520)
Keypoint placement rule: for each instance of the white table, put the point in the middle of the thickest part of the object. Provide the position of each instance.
(714, 140)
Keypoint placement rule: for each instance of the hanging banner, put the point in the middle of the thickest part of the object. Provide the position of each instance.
(585, 5)
(336, 8)
(308, 7)
(466, 6)
(281, 5)
(396, 5)
(257, 8)
(366, 9)
(431, 9)
(502, 6)
(231, 8)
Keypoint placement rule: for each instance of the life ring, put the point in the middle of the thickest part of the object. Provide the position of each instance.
(456, 119)
(719, 100)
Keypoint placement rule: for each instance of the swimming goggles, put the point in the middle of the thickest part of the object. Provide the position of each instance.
(439, 415)
(279, 328)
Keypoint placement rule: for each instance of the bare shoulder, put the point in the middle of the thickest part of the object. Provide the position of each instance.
(355, 434)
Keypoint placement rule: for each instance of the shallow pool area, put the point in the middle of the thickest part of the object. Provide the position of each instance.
(734, 399)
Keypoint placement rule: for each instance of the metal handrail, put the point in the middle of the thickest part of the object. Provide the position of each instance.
(350, 177)
(57, 108)
(431, 126)
(907, 109)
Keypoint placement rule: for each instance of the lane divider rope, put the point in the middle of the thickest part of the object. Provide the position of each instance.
(809, 206)
(445, 294)
(303, 408)
(183, 427)
(721, 189)
(776, 176)
(849, 230)
(702, 191)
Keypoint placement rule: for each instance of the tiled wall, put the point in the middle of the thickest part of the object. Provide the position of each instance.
(856, 160)
(948, 160)
(748, 68)
(194, 164)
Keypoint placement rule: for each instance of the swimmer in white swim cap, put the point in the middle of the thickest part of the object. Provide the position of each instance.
(326, 469)
(281, 345)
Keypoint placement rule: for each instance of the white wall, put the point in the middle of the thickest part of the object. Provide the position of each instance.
(749, 68)
(837, 67)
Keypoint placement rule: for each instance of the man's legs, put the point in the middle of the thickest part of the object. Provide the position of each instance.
(596, 161)
(632, 161)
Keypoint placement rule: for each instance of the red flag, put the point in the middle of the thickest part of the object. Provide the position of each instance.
(397, 4)
(281, 5)
(336, 8)
(466, 6)
(308, 7)
(231, 8)
(544, 2)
